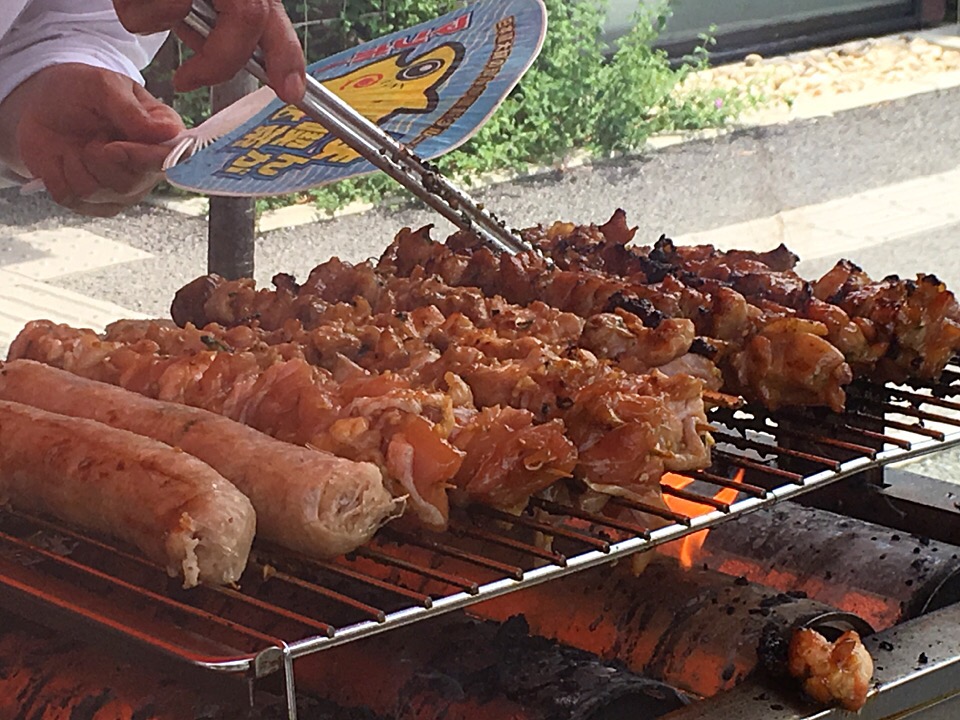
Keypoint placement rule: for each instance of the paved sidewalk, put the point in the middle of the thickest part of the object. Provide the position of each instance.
(895, 217)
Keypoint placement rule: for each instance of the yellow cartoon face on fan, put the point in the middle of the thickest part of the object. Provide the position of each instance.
(394, 85)
(379, 90)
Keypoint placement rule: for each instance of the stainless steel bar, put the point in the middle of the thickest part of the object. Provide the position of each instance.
(143, 562)
(917, 413)
(546, 528)
(747, 464)
(234, 595)
(550, 556)
(596, 518)
(375, 613)
(652, 510)
(715, 479)
(154, 641)
(457, 581)
(922, 399)
(896, 424)
(822, 440)
(163, 600)
(419, 598)
(874, 435)
(360, 577)
(772, 449)
(440, 548)
(381, 150)
(696, 498)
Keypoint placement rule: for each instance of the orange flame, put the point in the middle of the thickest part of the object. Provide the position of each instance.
(687, 548)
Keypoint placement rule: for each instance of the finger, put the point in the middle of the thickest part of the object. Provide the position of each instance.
(229, 46)
(136, 114)
(190, 37)
(81, 183)
(284, 57)
(121, 174)
(48, 166)
(97, 209)
(165, 122)
(140, 16)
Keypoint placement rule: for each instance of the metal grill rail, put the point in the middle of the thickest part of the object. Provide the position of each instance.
(405, 577)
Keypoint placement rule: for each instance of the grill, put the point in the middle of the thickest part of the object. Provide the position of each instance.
(290, 607)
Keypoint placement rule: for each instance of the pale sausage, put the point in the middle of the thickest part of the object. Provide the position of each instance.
(176, 509)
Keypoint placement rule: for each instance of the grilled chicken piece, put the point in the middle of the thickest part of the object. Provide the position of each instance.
(920, 318)
(775, 292)
(889, 329)
(831, 672)
(355, 349)
(212, 299)
(523, 373)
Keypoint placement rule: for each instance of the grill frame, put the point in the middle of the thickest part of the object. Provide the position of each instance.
(889, 433)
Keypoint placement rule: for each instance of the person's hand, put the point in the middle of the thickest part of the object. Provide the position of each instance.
(242, 25)
(93, 136)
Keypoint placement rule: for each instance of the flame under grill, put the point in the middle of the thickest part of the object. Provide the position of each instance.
(292, 606)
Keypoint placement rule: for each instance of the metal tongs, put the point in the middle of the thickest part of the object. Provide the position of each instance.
(380, 149)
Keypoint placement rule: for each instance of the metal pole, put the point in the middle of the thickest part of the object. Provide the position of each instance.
(231, 226)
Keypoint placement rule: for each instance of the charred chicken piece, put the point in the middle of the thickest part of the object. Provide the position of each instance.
(888, 329)
(920, 318)
(831, 672)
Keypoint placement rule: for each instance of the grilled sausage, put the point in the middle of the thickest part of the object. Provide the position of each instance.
(176, 509)
(306, 500)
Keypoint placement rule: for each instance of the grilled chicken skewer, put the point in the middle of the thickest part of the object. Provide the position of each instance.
(777, 360)
(628, 428)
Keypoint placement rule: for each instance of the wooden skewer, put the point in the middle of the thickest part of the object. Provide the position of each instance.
(719, 399)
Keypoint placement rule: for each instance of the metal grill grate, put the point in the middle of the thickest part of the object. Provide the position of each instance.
(291, 606)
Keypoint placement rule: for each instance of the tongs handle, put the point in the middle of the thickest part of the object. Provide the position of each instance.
(380, 149)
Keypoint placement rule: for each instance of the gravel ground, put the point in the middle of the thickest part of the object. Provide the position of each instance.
(845, 68)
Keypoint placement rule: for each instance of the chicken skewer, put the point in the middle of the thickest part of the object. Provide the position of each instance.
(889, 329)
(617, 336)
(452, 355)
(776, 360)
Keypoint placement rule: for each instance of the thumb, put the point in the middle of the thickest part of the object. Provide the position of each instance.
(140, 117)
